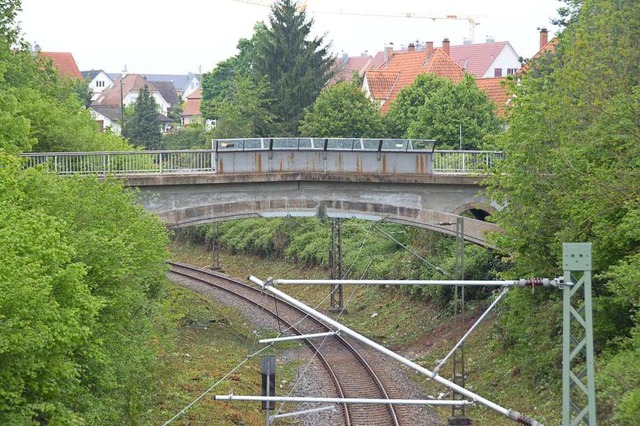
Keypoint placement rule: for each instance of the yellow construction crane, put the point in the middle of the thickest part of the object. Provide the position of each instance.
(472, 22)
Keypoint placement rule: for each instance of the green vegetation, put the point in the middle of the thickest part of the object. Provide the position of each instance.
(342, 110)
(264, 90)
(81, 264)
(143, 128)
(571, 174)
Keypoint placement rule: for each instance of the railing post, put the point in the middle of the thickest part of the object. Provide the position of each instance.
(160, 160)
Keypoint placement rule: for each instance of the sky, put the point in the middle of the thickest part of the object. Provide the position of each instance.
(172, 37)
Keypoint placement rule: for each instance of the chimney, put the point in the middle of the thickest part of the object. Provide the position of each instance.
(345, 58)
(544, 37)
(412, 47)
(388, 53)
(429, 48)
(446, 46)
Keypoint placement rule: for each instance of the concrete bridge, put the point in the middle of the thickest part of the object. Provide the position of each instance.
(399, 181)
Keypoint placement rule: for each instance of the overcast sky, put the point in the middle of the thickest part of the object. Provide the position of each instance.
(175, 37)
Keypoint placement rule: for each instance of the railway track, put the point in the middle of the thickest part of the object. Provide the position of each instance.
(351, 375)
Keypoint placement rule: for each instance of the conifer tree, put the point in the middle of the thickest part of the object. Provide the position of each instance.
(297, 67)
(144, 127)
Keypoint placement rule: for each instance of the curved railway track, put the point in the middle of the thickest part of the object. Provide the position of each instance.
(350, 373)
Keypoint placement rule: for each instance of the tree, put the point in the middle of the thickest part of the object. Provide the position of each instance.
(144, 127)
(404, 110)
(40, 110)
(296, 68)
(217, 84)
(192, 136)
(342, 110)
(9, 29)
(245, 112)
(456, 115)
(571, 174)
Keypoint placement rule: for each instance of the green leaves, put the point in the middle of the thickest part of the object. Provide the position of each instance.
(143, 129)
(342, 110)
(81, 272)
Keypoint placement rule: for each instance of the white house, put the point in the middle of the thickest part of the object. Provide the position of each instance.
(108, 117)
(125, 90)
(98, 81)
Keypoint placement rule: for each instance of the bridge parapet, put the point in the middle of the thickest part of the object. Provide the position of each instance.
(276, 155)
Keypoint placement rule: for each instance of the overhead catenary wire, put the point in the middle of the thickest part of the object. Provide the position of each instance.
(437, 268)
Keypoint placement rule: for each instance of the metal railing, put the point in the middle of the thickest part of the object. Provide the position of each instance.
(124, 162)
(204, 161)
(465, 161)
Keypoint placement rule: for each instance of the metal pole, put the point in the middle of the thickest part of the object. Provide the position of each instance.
(578, 396)
(458, 413)
(523, 282)
(513, 415)
(215, 248)
(335, 262)
(232, 397)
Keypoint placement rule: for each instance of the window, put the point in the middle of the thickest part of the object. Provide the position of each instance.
(511, 71)
(497, 72)
(99, 83)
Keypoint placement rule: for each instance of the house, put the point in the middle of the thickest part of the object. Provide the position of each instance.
(185, 84)
(191, 113)
(125, 91)
(108, 117)
(346, 66)
(486, 60)
(400, 69)
(98, 81)
(62, 61)
(168, 92)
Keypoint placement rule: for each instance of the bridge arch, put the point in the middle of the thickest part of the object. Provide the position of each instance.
(433, 203)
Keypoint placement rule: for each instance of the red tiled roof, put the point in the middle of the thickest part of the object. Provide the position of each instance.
(477, 58)
(407, 66)
(192, 106)
(64, 62)
(381, 84)
(496, 90)
(112, 94)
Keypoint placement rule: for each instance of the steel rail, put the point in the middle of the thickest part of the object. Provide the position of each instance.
(316, 348)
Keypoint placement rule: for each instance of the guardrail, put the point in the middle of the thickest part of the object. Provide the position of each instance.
(465, 161)
(124, 162)
(205, 161)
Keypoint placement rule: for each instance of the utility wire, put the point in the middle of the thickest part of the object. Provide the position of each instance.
(437, 268)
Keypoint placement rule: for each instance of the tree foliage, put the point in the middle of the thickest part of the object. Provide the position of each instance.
(571, 172)
(245, 111)
(296, 66)
(40, 110)
(192, 136)
(82, 267)
(217, 85)
(342, 110)
(143, 129)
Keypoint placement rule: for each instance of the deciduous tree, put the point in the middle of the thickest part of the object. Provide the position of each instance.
(342, 110)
